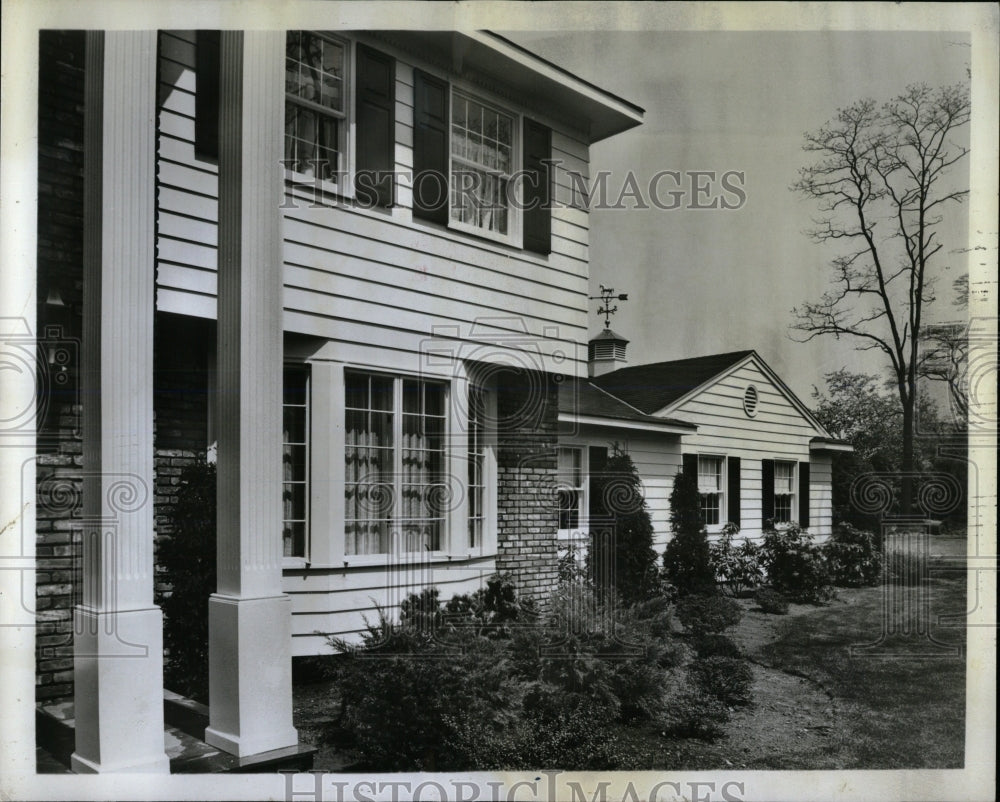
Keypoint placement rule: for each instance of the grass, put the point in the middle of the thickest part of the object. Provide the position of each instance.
(902, 702)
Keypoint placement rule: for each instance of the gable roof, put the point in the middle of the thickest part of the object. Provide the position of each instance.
(581, 401)
(650, 388)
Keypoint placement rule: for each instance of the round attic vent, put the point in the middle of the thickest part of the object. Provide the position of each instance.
(750, 401)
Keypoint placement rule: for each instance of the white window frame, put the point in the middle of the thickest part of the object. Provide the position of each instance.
(487, 513)
(513, 236)
(793, 512)
(395, 551)
(307, 482)
(721, 492)
(298, 182)
(582, 530)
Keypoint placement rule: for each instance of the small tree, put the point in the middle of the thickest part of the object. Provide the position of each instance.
(621, 553)
(687, 558)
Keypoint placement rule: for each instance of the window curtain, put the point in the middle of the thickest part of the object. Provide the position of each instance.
(368, 453)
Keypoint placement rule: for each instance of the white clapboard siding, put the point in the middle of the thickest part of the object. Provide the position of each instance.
(779, 430)
(338, 602)
(351, 271)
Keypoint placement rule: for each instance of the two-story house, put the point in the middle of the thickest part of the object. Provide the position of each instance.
(348, 267)
(352, 269)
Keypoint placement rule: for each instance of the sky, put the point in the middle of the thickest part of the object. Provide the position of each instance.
(709, 281)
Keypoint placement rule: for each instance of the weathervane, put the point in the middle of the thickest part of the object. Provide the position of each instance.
(607, 295)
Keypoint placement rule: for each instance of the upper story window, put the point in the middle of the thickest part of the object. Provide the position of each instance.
(482, 160)
(711, 488)
(315, 104)
(466, 154)
(395, 480)
(340, 134)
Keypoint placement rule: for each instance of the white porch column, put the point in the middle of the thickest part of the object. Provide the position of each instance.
(250, 626)
(118, 651)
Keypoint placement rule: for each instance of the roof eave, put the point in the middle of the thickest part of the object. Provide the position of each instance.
(830, 445)
(670, 428)
(591, 112)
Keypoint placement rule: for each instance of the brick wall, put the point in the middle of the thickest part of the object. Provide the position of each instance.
(180, 380)
(60, 287)
(527, 436)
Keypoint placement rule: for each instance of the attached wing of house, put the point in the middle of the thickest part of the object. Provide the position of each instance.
(758, 452)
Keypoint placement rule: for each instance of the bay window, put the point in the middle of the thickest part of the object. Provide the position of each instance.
(476, 456)
(295, 461)
(396, 486)
(571, 490)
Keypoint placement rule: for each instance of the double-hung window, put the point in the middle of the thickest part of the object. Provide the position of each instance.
(482, 161)
(396, 486)
(711, 488)
(295, 461)
(467, 151)
(316, 121)
(784, 492)
(323, 106)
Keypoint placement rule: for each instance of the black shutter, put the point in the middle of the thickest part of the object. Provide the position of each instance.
(598, 459)
(375, 127)
(206, 96)
(691, 465)
(537, 188)
(766, 490)
(804, 495)
(430, 148)
(733, 489)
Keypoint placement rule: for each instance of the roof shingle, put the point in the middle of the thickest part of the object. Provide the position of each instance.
(650, 388)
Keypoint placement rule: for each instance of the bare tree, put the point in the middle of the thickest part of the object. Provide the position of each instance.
(883, 180)
(945, 356)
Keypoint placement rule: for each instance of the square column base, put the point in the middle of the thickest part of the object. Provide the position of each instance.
(250, 674)
(118, 695)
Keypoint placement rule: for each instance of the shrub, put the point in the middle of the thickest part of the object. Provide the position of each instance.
(687, 558)
(400, 686)
(622, 555)
(188, 559)
(692, 712)
(556, 729)
(703, 614)
(795, 566)
(492, 609)
(853, 556)
(738, 568)
(770, 601)
(728, 679)
(546, 693)
(713, 645)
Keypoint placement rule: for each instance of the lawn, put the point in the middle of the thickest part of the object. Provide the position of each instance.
(820, 701)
